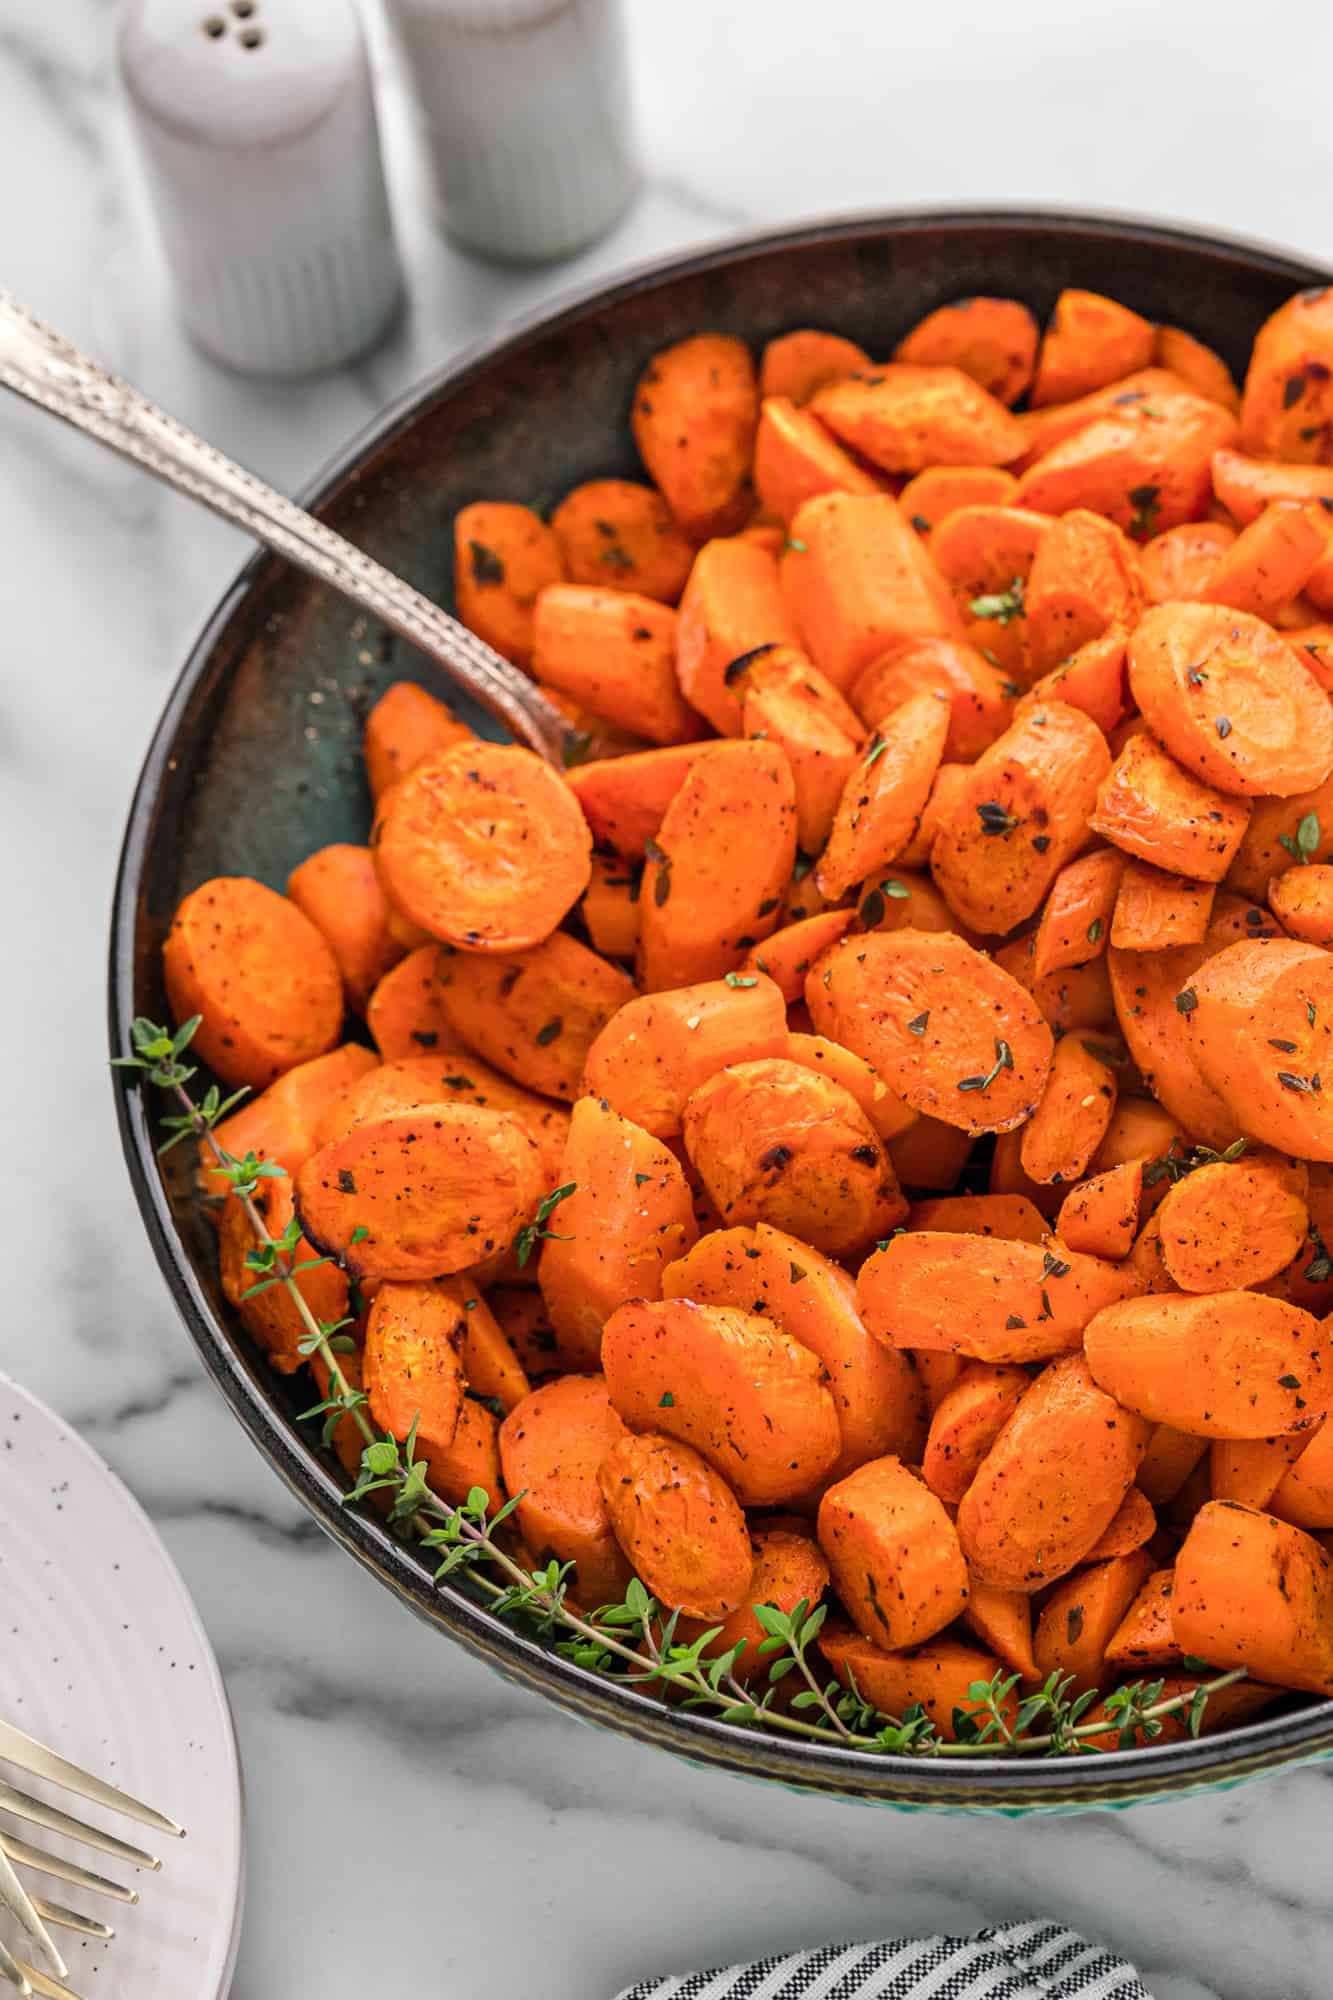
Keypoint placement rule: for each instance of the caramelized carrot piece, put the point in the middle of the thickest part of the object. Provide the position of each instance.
(1080, 1618)
(1144, 1641)
(404, 1013)
(1092, 679)
(283, 1122)
(751, 1400)
(483, 846)
(340, 892)
(992, 340)
(1002, 1620)
(432, 1190)
(1151, 806)
(1053, 1481)
(1154, 911)
(1100, 1217)
(610, 906)
(1171, 1457)
(623, 798)
(789, 1570)
(886, 793)
(1146, 467)
(267, 1311)
(1011, 1216)
(965, 1424)
(1089, 342)
(622, 536)
(1196, 364)
(1257, 1020)
(1075, 923)
(657, 1049)
(731, 607)
(533, 1014)
(795, 458)
(893, 1554)
(774, 1142)
(1272, 840)
(1271, 561)
(412, 1363)
(945, 1028)
(712, 887)
(941, 489)
(614, 653)
(629, 1216)
(1055, 422)
(980, 698)
(1020, 816)
(1302, 902)
(405, 726)
(797, 365)
(1146, 986)
(1084, 578)
(936, 1677)
(821, 755)
(789, 953)
(1229, 1365)
(1256, 1593)
(503, 557)
(1070, 1122)
(552, 1447)
(1251, 1469)
(875, 1389)
(887, 1114)
(904, 418)
(695, 411)
(1233, 1223)
(1304, 1494)
(855, 578)
(1287, 405)
(985, 554)
(1181, 562)
(259, 975)
(991, 1299)
(1134, 1525)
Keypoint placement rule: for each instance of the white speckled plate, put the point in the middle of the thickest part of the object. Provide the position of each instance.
(102, 1656)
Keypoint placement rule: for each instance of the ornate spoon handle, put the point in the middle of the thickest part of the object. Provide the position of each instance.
(50, 371)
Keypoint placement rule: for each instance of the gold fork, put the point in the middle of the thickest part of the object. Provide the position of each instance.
(34, 1913)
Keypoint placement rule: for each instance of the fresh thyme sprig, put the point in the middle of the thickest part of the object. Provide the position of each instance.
(636, 1640)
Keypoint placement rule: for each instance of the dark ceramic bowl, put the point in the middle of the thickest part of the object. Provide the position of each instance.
(256, 761)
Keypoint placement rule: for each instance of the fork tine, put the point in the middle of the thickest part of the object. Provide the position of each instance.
(13, 1974)
(48, 1988)
(64, 1871)
(72, 1920)
(24, 1806)
(17, 1901)
(26, 1751)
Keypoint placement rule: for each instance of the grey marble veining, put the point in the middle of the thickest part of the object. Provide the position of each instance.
(415, 1824)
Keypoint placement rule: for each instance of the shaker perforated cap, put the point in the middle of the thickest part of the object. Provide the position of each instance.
(257, 127)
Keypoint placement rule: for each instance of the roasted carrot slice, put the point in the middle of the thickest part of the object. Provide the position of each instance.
(1171, 1457)
(856, 578)
(1145, 985)
(1282, 833)
(657, 1049)
(1084, 579)
(886, 793)
(1020, 816)
(774, 1142)
(1100, 1217)
(614, 653)
(1070, 1122)
(1302, 902)
(1181, 562)
(694, 416)
(412, 1363)
(420, 1194)
(945, 1028)
(1258, 1018)
(1075, 923)
(712, 887)
(267, 1311)
(1144, 1640)
(821, 755)
(893, 1553)
(942, 489)
(1002, 1620)
(1154, 910)
(483, 846)
(799, 364)
(610, 906)
(1081, 1616)
(979, 696)
(1256, 1593)
(533, 1014)
(552, 1446)
(503, 557)
(1146, 467)
(405, 726)
(1247, 487)
(992, 340)
(753, 1401)
(936, 1677)
(1055, 422)
(1231, 1365)
(905, 417)
(789, 953)
(965, 1424)
(888, 1115)
(795, 458)
(986, 1297)
(986, 553)
(1149, 805)
(1092, 679)
(1251, 1469)
(404, 1013)
(1304, 1494)
(1011, 1216)
(1090, 341)
(623, 798)
(1196, 364)
(340, 892)
(1272, 560)
(733, 605)
(1230, 700)
(283, 1122)
(1231, 1224)
(260, 976)
(628, 1217)
(789, 1570)
(1287, 406)
(622, 536)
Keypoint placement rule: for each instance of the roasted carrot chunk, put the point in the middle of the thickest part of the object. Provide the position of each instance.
(503, 557)
(282, 1124)
(905, 417)
(1084, 579)
(267, 1311)
(618, 535)
(1081, 1616)
(1232, 1223)
(893, 1553)
(412, 1363)
(1151, 806)
(1100, 1217)
(1091, 340)
(552, 1447)
(855, 578)
(404, 1013)
(1229, 1365)
(1302, 902)
(979, 696)
(1154, 911)
(936, 1677)
(1070, 1122)
(1147, 466)
(1180, 563)
(614, 653)
(941, 489)
(885, 794)
(795, 458)
(992, 340)
(694, 416)
(1287, 406)
(1258, 1016)
(406, 726)
(340, 892)
(798, 364)
(1271, 560)
(1256, 1593)
(965, 1424)
(1196, 364)
(660, 1047)
(624, 798)
(533, 1014)
(789, 1570)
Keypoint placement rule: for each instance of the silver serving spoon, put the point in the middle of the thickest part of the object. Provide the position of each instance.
(50, 371)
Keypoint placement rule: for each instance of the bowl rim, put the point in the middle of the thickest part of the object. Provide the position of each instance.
(984, 1783)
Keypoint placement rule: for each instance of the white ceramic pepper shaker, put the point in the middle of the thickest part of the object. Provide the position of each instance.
(257, 127)
(525, 113)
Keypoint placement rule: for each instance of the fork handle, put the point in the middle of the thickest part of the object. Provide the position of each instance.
(49, 370)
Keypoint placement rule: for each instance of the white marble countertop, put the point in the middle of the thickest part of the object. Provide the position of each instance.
(415, 1825)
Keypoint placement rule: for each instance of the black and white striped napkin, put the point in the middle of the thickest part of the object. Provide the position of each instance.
(1028, 1961)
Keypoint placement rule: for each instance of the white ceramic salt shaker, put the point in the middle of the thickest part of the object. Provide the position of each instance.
(257, 127)
(525, 113)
